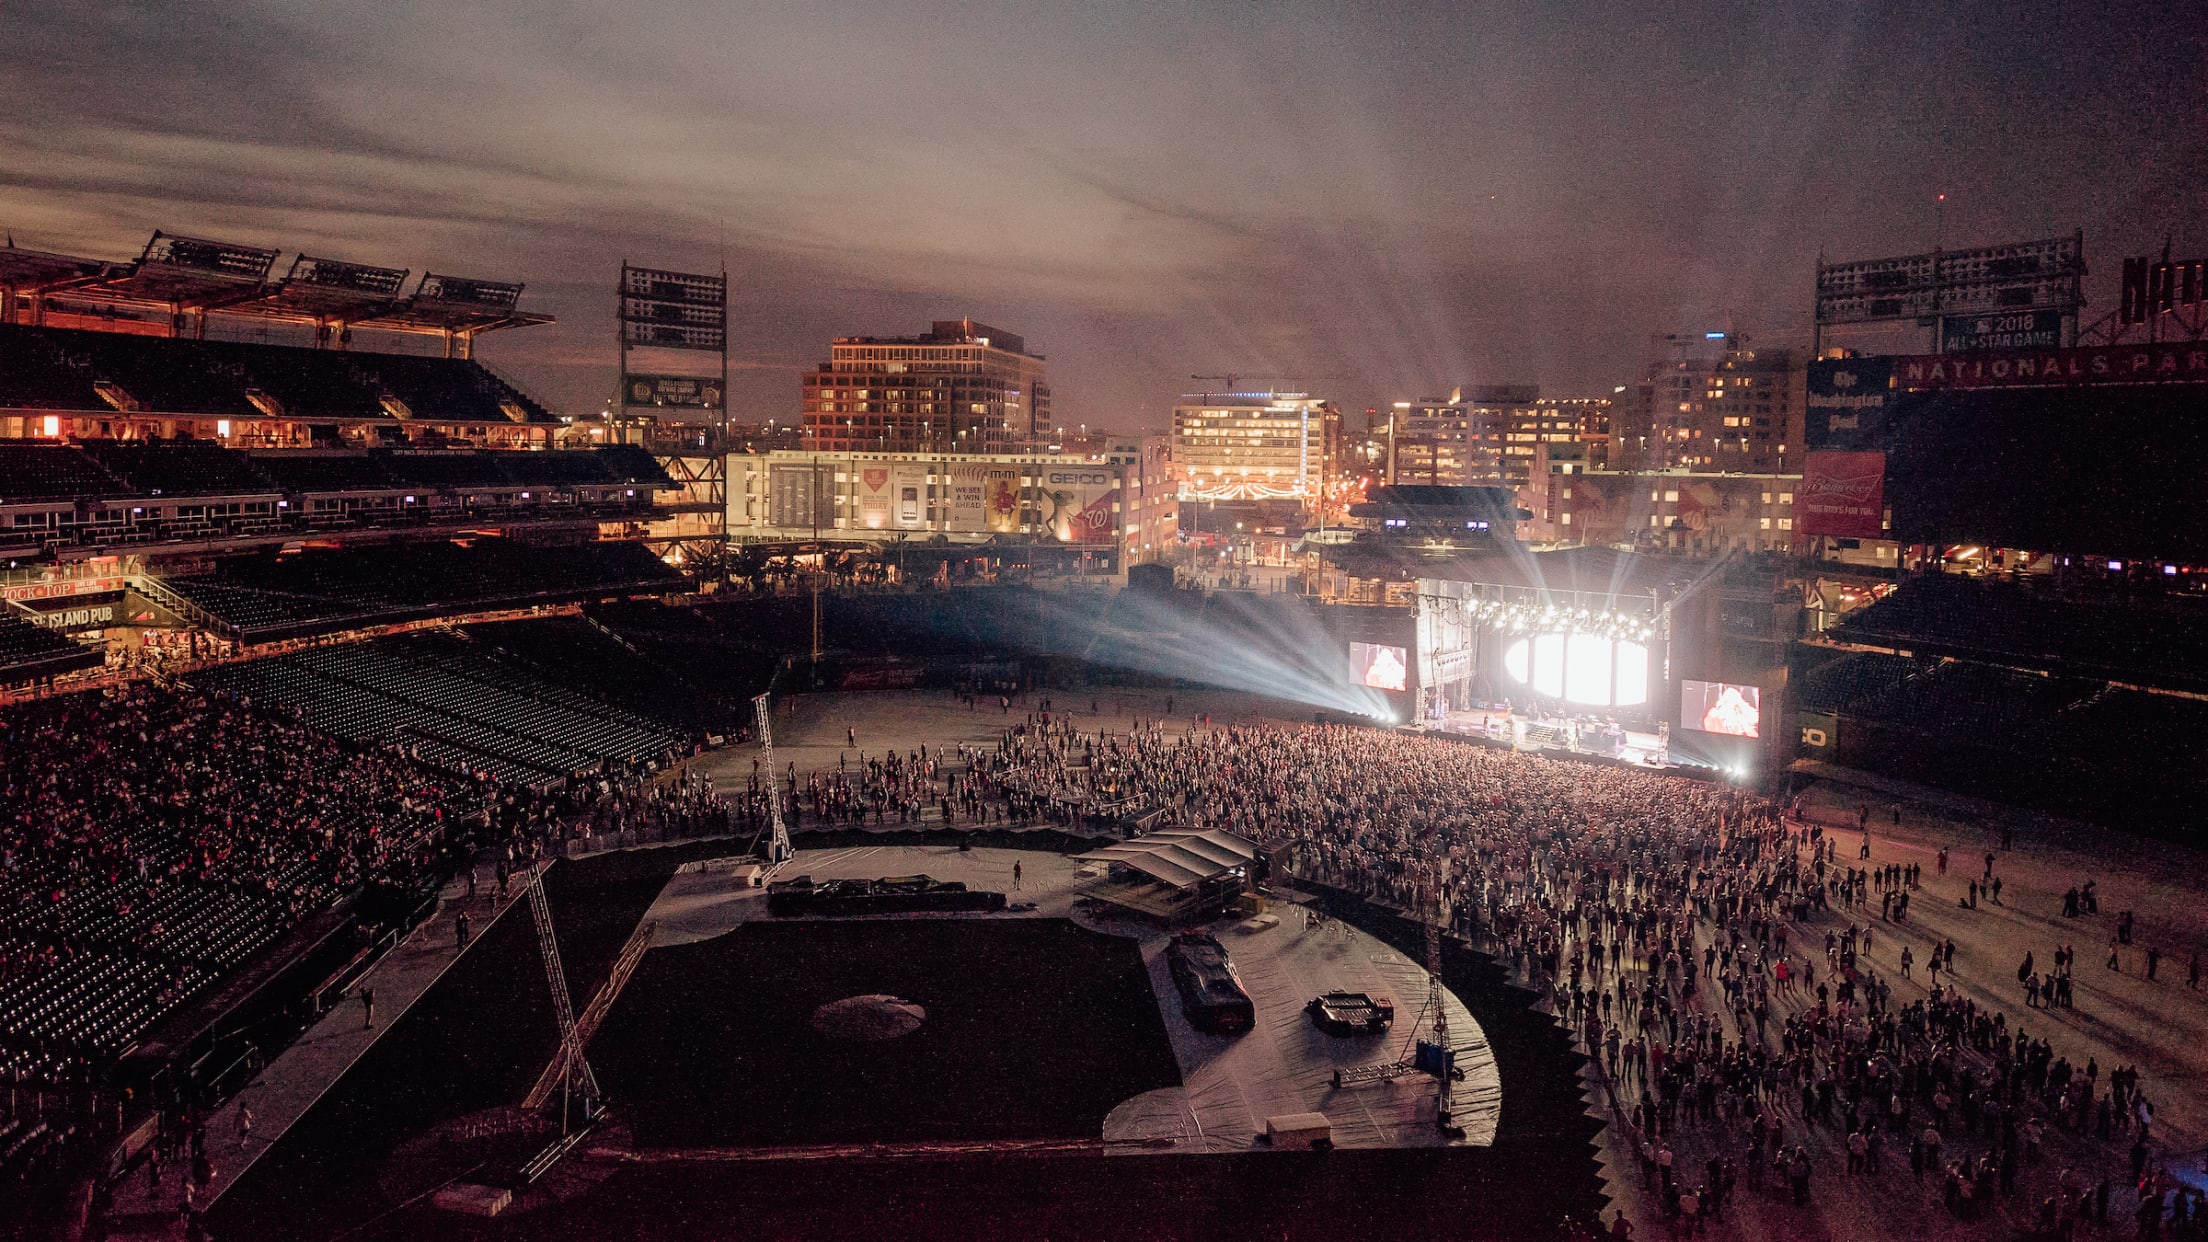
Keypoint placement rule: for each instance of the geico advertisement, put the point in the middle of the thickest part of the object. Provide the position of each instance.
(1078, 505)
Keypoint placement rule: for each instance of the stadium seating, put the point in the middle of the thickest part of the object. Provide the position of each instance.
(301, 473)
(37, 373)
(203, 833)
(732, 641)
(31, 470)
(182, 468)
(470, 705)
(29, 651)
(64, 369)
(328, 589)
(446, 469)
(2155, 640)
(576, 652)
(1853, 677)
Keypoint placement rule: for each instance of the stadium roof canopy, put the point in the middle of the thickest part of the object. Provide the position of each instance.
(35, 269)
(195, 274)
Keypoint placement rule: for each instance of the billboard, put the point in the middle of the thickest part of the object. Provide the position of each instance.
(1845, 406)
(969, 497)
(1378, 666)
(1721, 707)
(876, 498)
(908, 485)
(1843, 494)
(1079, 504)
(1001, 497)
(679, 391)
(801, 496)
(2029, 329)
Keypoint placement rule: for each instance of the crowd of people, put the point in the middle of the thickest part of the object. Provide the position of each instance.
(151, 838)
(1712, 953)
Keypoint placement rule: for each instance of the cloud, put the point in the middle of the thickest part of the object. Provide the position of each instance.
(1406, 196)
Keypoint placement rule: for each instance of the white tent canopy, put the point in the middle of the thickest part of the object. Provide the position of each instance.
(1181, 857)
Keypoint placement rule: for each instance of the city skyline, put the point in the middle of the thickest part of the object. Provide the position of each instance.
(1382, 207)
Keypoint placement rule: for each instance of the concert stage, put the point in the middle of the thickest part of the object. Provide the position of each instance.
(1561, 736)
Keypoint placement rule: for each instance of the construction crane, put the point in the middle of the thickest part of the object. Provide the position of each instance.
(1231, 381)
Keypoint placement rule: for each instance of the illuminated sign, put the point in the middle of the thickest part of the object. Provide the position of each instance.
(1843, 494)
(2170, 362)
(2031, 329)
(680, 391)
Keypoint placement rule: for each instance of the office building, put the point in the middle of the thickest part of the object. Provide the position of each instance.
(1492, 435)
(1257, 446)
(1710, 403)
(960, 387)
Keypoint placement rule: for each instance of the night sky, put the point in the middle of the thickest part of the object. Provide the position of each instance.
(1397, 198)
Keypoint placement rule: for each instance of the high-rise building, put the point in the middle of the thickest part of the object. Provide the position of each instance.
(1492, 435)
(1150, 505)
(1582, 422)
(1710, 403)
(1446, 443)
(1257, 446)
(961, 387)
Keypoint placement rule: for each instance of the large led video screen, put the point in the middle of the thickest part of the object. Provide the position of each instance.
(1378, 666)
(1589, 669)
(1721, 707)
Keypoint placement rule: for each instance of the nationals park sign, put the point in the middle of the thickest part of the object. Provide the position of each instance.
(2175, 362)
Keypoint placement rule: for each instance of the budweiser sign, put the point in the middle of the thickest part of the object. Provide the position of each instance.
(1843, 494)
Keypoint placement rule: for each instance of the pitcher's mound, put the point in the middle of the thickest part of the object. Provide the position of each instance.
(868, 1019)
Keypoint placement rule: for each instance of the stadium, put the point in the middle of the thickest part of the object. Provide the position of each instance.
(418, 825)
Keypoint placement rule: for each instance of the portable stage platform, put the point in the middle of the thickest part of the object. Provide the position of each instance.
(1172, 874)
